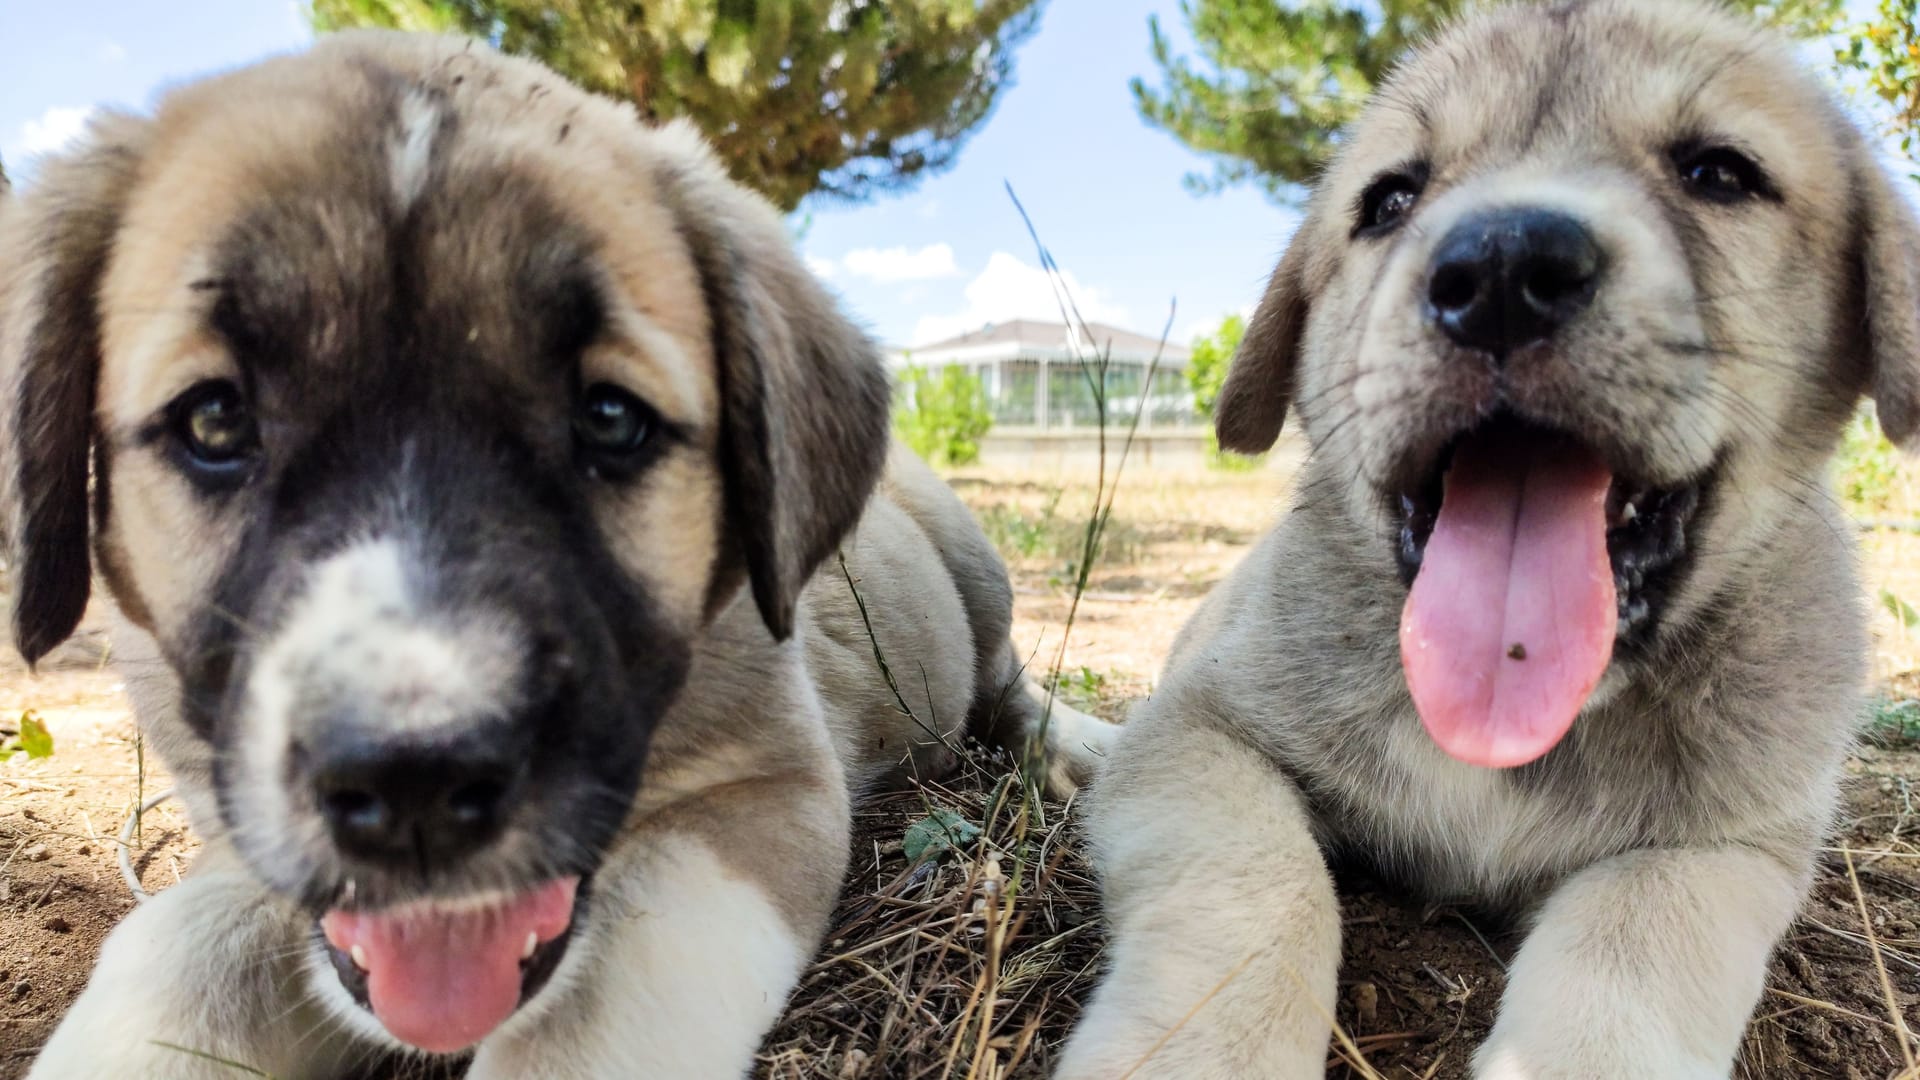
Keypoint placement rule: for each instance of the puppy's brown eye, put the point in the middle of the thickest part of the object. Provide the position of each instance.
(1720, 174)
(1388, 201)
(611, 423)
(214, 426)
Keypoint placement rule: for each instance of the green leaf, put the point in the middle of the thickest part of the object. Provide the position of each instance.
(1900, 609)
(35, 739)
(937, 833)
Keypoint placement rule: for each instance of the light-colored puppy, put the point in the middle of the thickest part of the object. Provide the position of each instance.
(1563, 618)
(469, 463)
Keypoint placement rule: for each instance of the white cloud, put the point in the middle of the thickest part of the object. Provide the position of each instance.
(889, 265)
(1198, 328)
(1011, 289)
(824, 269)
(1206, 327)
(112, 52)
(48, 132)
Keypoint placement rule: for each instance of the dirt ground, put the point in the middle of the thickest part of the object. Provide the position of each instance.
(974, 965)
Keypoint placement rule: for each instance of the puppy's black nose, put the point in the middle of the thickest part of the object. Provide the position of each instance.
(419, 802)
(1510, 278)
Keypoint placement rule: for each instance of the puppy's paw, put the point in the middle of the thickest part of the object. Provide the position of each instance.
(1076, 744)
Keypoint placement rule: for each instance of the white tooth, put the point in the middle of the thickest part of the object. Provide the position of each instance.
(533, 942)
(359, 957)
(1628, 513)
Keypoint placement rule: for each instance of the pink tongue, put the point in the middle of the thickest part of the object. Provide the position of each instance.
(443, 980)
(1510, 622)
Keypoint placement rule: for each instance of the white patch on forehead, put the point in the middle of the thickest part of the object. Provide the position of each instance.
(410, 152)
(358, 640)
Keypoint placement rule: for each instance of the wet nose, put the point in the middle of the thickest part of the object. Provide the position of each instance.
(1511, 278)
(418, 801)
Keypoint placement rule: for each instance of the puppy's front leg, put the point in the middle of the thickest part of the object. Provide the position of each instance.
(1645, 965)
(212, 968)
(1226, 931)
(694, 942)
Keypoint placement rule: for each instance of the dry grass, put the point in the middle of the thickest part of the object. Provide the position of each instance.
(966, 964)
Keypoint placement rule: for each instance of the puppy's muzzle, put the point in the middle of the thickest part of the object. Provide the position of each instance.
(1506, 279)
(1531, 545)
(415, 800)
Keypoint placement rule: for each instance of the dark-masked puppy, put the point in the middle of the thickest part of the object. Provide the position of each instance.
(461, 454)
(1563, 618)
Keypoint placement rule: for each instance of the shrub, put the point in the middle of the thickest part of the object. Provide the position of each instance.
(942, 414)
(1206, 371)
(1867, 469)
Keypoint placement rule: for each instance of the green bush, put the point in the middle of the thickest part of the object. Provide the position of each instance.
(942, 414)
(1020, 535)
(1056, 536)
(1207, 366)
(1867, 469)
(1893, 722)
(1207, 362)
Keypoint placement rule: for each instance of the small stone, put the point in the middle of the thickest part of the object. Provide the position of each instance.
(1366, 1002)
(21, 989)
(36, 853)
(1820, 1033)
(58, 925)
(85, 849)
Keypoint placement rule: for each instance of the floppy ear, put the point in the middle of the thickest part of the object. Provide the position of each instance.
(804, 397)
(1888, 240)
(1253, 401)
(54, 247)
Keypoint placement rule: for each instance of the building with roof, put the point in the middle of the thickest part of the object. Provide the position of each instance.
(1040, 380)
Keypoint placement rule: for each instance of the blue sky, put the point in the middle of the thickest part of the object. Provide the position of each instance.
(947, 256)
(1103, 188)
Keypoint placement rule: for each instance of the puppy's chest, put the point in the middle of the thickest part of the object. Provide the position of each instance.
(1452, 831)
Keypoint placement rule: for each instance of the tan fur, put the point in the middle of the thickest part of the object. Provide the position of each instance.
(1661, 849)
(718, 888)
